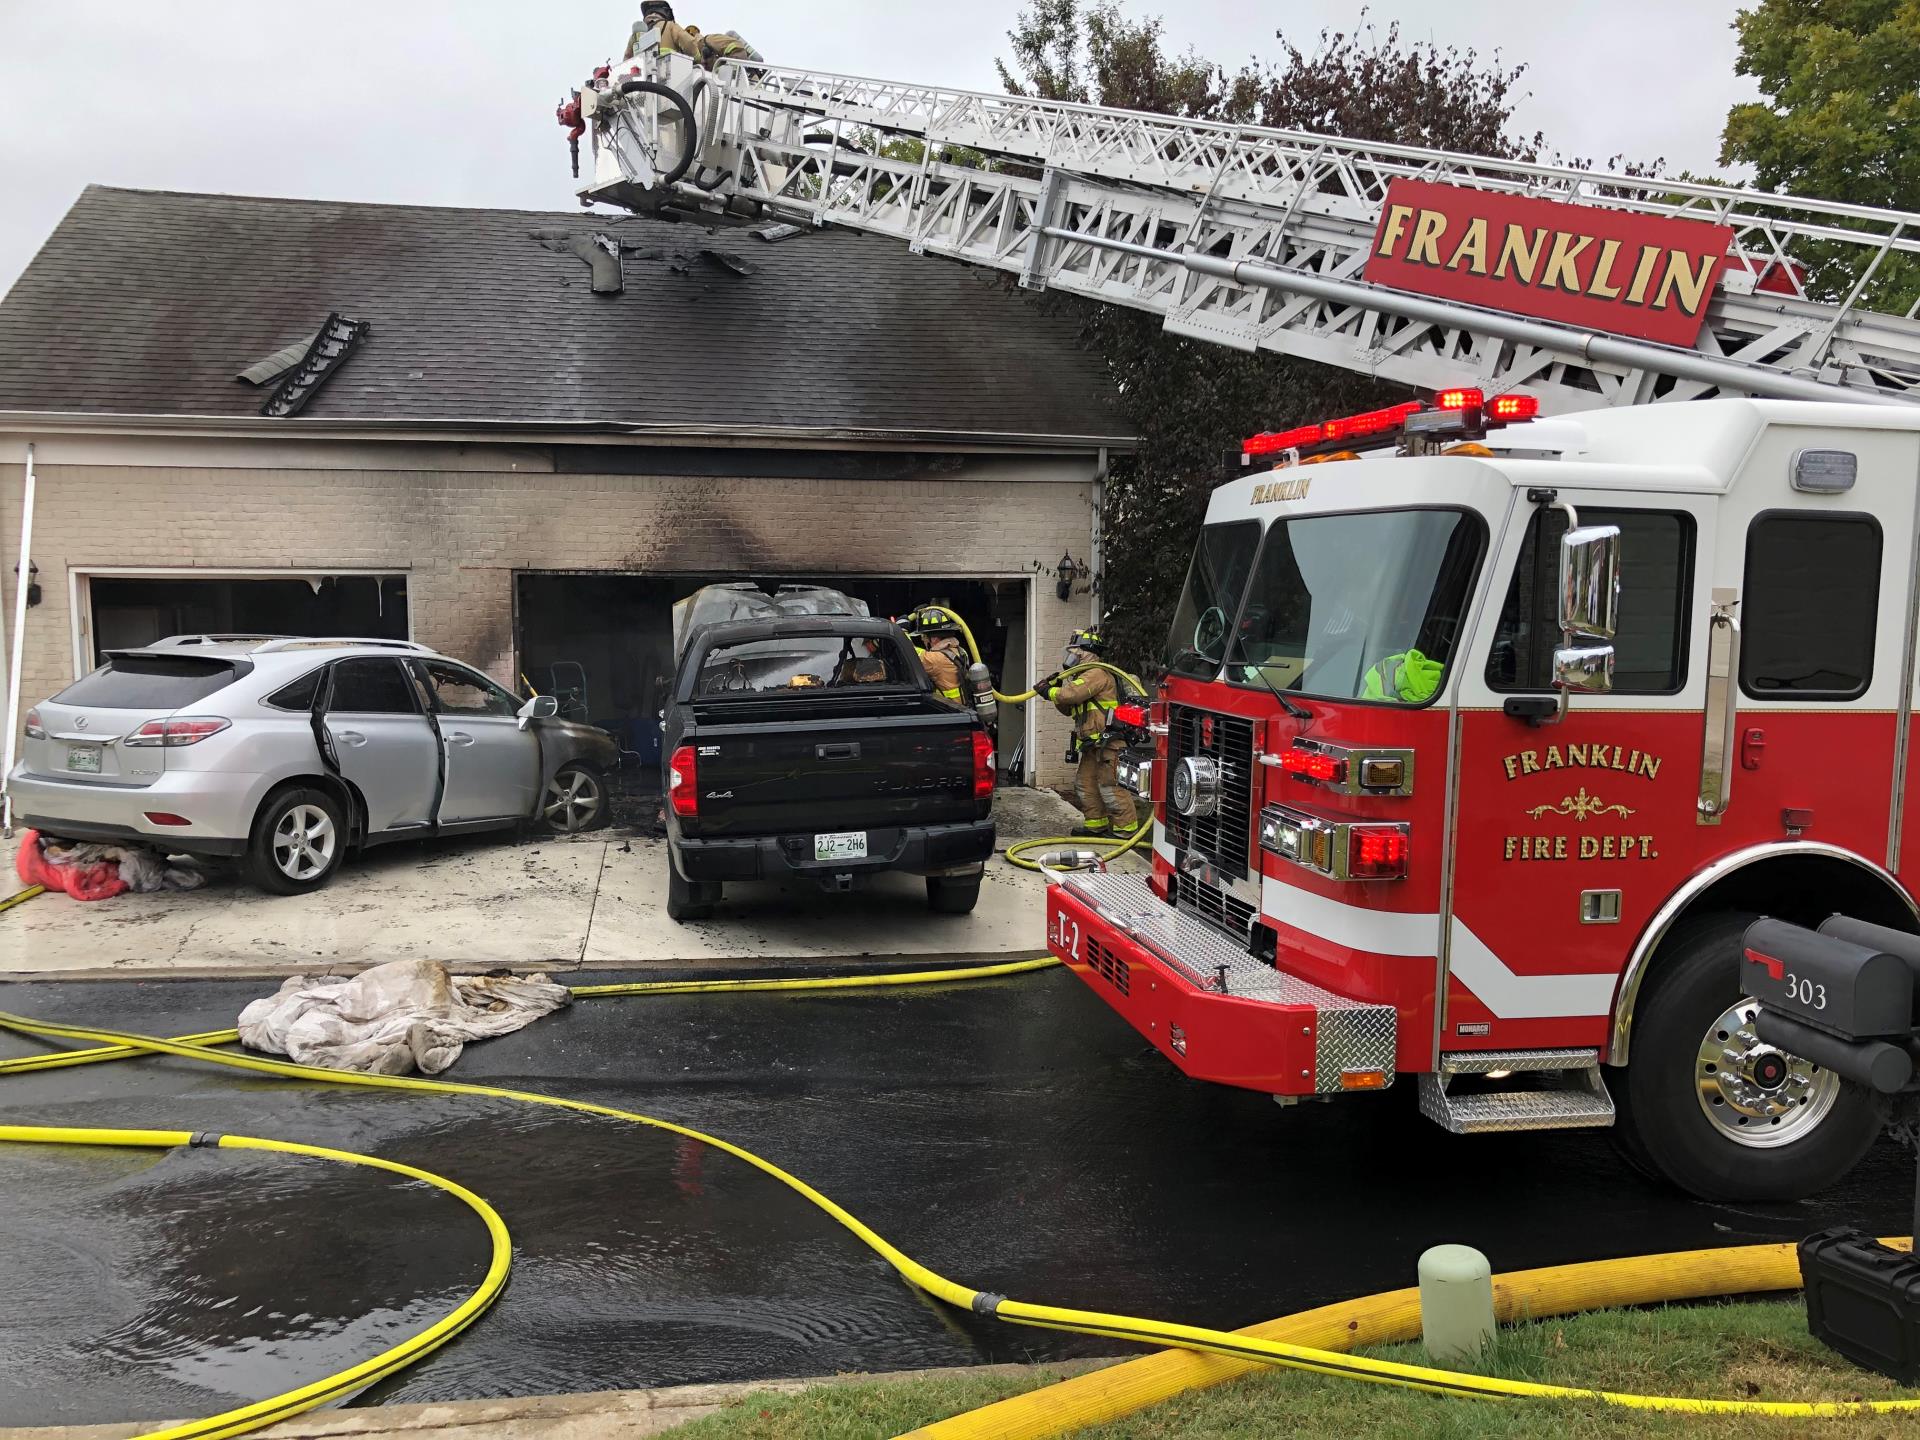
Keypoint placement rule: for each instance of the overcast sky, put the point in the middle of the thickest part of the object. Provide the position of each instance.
(450, 102)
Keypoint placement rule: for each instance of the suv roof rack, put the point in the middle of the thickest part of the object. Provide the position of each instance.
(173, 641)
(278, 643)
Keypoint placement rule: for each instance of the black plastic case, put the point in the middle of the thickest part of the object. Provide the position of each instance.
(1863, 1301)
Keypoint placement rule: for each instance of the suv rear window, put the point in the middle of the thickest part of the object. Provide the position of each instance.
(149, 682)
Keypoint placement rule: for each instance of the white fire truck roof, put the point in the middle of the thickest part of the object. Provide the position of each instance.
(1698, 447)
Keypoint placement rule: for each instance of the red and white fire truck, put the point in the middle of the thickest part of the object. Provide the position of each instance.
(1434, 799)
(1478, 751)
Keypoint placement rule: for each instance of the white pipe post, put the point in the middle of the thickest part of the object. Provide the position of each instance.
(22, 578)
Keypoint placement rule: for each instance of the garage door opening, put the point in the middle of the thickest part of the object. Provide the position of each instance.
(127, 611)
(603, 644)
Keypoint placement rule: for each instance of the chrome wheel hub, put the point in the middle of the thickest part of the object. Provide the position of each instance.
(1753, 1093)
(572, 800)
(303, 842)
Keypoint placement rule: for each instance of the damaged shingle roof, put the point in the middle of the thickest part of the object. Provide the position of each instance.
(149, 302)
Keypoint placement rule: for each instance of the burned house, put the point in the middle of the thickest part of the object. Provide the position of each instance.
(520, 437)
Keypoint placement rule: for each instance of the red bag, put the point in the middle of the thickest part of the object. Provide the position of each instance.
(98, 881)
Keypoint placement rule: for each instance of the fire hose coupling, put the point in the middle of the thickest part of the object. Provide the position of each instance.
(206, 1139)
(985, 1302)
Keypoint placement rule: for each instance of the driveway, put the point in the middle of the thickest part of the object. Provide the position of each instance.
(1014, 1134)
(560, 904)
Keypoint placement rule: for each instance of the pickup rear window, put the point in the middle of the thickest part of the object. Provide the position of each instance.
(149, 682)
(798, 663)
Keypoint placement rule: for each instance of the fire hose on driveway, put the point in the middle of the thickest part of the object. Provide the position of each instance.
(1691, 1275)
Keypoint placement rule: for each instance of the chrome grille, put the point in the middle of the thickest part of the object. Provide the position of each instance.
(1231, 915)
(1225, 836)
(1109, 966)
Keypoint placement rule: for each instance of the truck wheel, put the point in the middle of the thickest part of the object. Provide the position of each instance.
(689, 899)
(298, 840)
(1713, 1108)
(952, 894)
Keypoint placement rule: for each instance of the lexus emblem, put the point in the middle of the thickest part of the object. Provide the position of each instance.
(1206, 731)
(79, 722)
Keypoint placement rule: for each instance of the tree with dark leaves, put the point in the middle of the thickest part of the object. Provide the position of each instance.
(1192, 403)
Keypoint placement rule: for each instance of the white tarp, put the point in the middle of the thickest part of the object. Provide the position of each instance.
(396, 1017)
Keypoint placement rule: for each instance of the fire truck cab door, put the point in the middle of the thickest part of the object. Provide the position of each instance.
(1571, 833)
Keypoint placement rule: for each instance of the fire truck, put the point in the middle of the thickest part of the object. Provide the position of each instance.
(1490, 722)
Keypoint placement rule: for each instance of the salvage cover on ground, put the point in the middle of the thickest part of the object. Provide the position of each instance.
(400, 1016)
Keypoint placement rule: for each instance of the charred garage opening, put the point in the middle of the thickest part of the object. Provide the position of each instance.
(602, 643)
(125, 611)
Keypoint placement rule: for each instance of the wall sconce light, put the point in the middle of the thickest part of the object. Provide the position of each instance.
(33, 583)
(1066, 572)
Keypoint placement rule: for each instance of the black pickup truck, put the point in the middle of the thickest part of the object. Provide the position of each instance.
(815, 747)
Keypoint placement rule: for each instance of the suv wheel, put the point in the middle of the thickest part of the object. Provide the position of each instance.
(576, 800)
(298, 841)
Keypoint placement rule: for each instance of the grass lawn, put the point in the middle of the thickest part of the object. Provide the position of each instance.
(1756, 1350)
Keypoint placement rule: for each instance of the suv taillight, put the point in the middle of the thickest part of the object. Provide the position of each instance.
(35, 730)
(682, 780)
(983, 763)
(185, 730)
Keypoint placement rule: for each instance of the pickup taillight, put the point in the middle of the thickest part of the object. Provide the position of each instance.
(682, 782)
(984, 761)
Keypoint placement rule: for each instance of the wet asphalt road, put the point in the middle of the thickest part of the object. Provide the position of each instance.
(1013, 1134)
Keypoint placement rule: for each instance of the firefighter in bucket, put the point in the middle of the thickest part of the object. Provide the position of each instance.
(1089, 699)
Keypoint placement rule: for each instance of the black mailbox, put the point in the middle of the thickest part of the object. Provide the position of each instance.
(1834, 985)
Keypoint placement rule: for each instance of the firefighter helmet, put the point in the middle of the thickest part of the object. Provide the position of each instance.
(1087, 640)
(655, 10)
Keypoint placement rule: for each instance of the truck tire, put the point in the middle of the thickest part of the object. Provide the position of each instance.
(689, 899)
(1701, 1112)
(299, 839)
(952, 894)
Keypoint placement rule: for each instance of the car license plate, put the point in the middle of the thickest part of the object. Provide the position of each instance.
(844, 845)
(84, 758)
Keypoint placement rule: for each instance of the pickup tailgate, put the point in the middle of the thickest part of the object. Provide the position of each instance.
(763, 768)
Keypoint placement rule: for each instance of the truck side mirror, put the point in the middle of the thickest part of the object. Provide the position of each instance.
(1589, 609)
(540, 707)
(1590, 581)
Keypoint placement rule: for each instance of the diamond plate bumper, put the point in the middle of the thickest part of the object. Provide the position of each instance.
(1207, 1005)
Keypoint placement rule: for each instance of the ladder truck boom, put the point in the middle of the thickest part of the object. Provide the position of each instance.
(1259, 238)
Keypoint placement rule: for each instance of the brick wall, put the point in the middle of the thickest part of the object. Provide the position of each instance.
(459, 534)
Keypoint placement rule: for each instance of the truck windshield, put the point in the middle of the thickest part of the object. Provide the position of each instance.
(1365, 606)
(1198, 641)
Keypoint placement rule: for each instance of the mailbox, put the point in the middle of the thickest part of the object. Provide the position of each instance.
(1848, 990)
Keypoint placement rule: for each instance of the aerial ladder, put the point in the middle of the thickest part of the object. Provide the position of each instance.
(1253, 238)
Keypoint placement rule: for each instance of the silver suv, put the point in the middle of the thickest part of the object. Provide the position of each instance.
(289, 752)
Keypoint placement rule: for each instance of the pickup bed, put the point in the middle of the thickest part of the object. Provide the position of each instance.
(816, 747)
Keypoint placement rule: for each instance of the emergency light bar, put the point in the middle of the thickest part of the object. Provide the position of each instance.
(1463, 411)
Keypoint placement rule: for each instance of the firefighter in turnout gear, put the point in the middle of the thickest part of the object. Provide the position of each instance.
(1090, 699)
(937, 642)
(687, 40)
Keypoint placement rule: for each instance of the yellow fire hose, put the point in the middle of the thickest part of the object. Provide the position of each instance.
(1105, 847)
(345, 1382)
(22, 896)
(1713, 1269)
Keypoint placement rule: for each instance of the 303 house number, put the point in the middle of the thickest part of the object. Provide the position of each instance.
(1066, 935)
(1808, 993)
